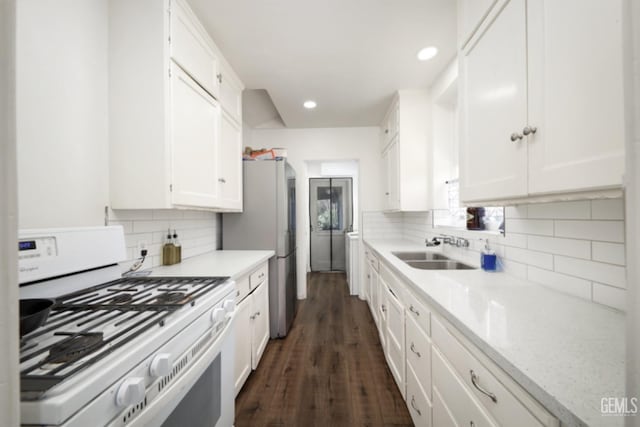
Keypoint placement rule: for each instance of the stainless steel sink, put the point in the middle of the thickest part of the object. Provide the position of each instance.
(440, 265)
(419, 256)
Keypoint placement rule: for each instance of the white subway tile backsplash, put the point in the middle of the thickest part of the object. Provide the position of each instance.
(554, 245)
(600, 272)
(607, 295)
(574, 247)
(516, 211)
(510, 239)
(560, 282)
(525, 256)
(529, 226)
(606, 231)
(607, 209)
(612, 253)
(198, 231)
(561, 210)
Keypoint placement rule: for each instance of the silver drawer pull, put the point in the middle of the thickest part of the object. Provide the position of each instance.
(383, 308)
(472, 424)
(413, 405)
(257, 313)
(474, 381)
(237, 293)
(413, 310)
(413, 348)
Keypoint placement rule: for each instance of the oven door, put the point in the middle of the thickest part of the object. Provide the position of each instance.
(203, 396)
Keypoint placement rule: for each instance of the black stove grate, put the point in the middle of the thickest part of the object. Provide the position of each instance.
(75, 335)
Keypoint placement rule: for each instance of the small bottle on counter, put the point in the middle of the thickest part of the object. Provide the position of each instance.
(168, 250)
(488, 258)
(178, 247)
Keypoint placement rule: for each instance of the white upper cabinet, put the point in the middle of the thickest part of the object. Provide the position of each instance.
(170, 146)
(230, 164)
(471, 13)
(195, 127)
(405, 152)
(542, 101)
(576, 95)
(494, 85)
(230, 93)
(191, 50)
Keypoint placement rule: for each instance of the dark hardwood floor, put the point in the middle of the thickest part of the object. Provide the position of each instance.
(329, 371)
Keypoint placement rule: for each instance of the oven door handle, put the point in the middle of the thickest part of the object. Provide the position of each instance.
(159, 409)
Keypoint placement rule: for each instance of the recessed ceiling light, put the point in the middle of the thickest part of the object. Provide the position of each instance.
(310, 104)
(427, 53)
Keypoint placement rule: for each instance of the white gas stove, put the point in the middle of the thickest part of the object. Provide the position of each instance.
(116, 351)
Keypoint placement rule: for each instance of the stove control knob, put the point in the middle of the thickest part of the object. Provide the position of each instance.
(131, 391)
(217, 315)
(229, 306)
(160, 365)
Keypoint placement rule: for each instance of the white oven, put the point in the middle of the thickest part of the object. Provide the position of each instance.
(145, 351)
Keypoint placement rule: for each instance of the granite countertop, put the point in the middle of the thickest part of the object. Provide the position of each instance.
(217, 263)
(566, 352)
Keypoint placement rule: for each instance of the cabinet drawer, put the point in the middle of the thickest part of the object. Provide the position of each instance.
(419, 354)
(242, 288)
(393, 283)
(258, 276)
(441, 415)
(418, 312)
(190, 49)
(455, 396)
(417, 401)
(504, 406)
(372, 260)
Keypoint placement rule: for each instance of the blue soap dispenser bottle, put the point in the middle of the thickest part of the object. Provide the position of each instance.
(488, 258)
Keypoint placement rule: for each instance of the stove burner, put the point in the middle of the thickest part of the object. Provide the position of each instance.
(74, 347)
(170, 298)
(121, 299)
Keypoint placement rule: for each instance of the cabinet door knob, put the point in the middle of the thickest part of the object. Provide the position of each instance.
(413, 310)
(413, 348)
(529, 130)
(219, 77)
(386, 131)
(516, 136)
(474, 381)
(222, 180)
(413, 405)
(386, 194)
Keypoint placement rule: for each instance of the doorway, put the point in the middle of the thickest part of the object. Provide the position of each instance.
(330, 218)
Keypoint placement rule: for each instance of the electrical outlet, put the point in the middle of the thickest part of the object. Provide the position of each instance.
(142, 245)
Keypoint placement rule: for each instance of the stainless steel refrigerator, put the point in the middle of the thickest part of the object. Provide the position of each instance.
(268, 221)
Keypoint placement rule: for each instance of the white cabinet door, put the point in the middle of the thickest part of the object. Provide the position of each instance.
(470, 14)
(494, 106)
(441, 415)
(190, 49)
(382, 313)
(230, 95)
(260, 319)
(395, 338)
(195, 127)
(242, 360)
(576, 95)
(230, 164)
(391, 167)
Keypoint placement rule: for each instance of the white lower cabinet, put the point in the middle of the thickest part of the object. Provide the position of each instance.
(417, 401)
(395, 337)
(456, 397)
(445, 380)
(252, 326)
(260, 322)
(242, 358)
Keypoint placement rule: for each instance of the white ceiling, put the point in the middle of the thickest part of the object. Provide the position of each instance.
(348, 55)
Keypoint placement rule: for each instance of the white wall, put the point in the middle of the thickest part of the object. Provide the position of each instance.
(9, 382)
(325, 144)
(62, 124)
